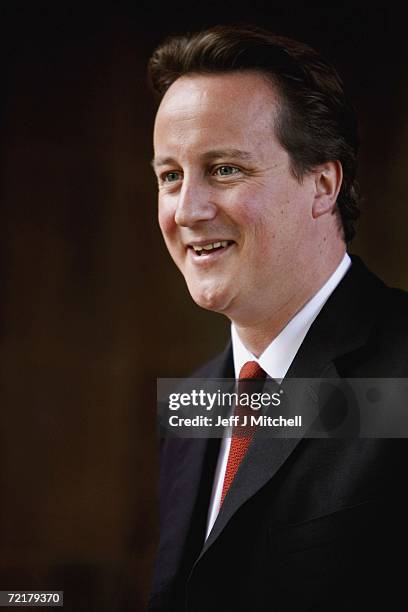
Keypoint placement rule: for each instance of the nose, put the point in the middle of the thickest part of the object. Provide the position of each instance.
(194, 203)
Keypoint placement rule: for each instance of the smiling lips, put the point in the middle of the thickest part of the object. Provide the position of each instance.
(206, 249)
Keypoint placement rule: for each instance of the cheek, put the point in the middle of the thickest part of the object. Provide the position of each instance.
(254, 204)
(166, 217)
(259, 222)
(244, 210)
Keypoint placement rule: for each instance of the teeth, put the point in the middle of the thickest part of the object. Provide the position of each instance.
(210, 246)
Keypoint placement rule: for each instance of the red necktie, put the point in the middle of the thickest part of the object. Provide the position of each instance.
(240, 441)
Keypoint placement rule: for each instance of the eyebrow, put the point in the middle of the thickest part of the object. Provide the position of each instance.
(237, 154)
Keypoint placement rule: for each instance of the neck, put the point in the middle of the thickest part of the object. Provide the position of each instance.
(257, 334)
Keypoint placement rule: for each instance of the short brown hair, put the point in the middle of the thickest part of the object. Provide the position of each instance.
(315, 122)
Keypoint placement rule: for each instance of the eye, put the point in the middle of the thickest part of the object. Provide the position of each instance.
(226, 170)
(170, 177)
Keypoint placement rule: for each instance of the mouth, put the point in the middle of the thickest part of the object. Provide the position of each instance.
(209, 249)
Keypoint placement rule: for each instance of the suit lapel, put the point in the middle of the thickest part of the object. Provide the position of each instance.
(342, 327)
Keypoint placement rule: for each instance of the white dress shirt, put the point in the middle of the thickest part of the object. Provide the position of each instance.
(275, 361)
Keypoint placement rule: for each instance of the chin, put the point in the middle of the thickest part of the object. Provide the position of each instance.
(210, 298)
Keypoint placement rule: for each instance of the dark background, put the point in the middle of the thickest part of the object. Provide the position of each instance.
(92, 309)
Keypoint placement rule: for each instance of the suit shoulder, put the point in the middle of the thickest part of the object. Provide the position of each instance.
(388, 345)
(395, 309)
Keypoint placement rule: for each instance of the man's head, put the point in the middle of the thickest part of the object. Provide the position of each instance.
(255, 148)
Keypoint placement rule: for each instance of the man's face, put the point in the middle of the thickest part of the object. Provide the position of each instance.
(236, 221)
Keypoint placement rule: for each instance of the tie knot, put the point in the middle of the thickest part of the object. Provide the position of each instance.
(252, 369)
(251, 378)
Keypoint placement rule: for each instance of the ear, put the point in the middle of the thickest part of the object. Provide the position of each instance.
(328, 179)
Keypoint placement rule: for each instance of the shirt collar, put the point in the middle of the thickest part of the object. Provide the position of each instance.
(278, 356)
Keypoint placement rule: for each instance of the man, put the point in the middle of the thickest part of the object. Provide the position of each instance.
(255, 153)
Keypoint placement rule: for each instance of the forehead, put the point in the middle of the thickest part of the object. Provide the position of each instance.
(218, 107)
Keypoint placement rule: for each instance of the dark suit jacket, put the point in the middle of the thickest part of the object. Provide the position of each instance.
(308, 524)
